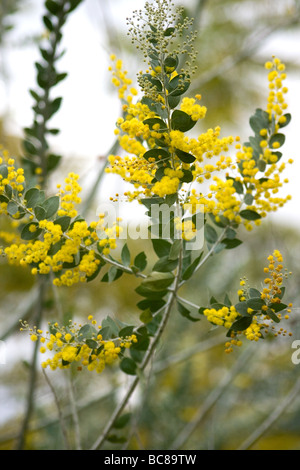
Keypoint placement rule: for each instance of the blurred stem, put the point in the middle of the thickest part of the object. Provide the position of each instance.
(148, 356)
(272, 418)
(28, 305)
(91, 196)
(187, 353)
(33, 372)
(208, 254)
(212, 399)
(60, 414)
(74, 411)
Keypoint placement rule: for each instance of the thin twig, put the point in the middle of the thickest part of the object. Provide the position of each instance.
(211, 400)
(182, 356)
(60, 414)
(28, 307)
(272, 418)
(74, 411)
(208, 254)
(33, 373)
(168, 307)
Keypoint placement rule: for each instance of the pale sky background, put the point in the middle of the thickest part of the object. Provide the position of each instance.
(89, 109)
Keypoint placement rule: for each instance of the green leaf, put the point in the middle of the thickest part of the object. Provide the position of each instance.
(238, 186)
(241, 324)
(165, 264)
(242, 308)
(146, 316)
(95, 274)
(261, 165)
(189, 271)
(152, 121)
(157, 154)
(91, 343)
(184, 156)
(63, 221)
(53, 107)
(272, 315)
(260, 120)
(175, 250)
(74, 4)
(181, 121)
(187, 176)
(125, 255)
(250, 215)
(256, 303)
(277, 138)
(231, 243)
(170, 64)
(178, 85)
(12, 208)
(114, 439)
(288, 120)
(53, 7)
(161, 247)
(140, 261)
(122, 421)
(254, 292)
(112, 275)
(210, 234)
(49, 25)
(87, 332)
(8, 191)
(3, 171)
(143, 340)
(51, 206)
(149, 293)
(128, 366)
(126, 331)
(169, 31)
(29, 147)
(185, 312)
(27, 234)
(40, 212)
(173, 101)
(278, 307)
(248, 199)
(32, 197)
(158, 281)
(52, 161)
(227, 301)
(111, 324)
(152, 304)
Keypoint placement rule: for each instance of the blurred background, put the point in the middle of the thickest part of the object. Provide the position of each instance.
(227, 397)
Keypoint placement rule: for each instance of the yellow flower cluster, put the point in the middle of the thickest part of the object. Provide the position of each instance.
(224, 316)
(83, 345)
(71, 243)
(263, 317)
(71, 253)
(69, 196)
(259, 180)
(13, 177)
(272, 292)
(193, 109)
(119, 78)
(276, 100)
